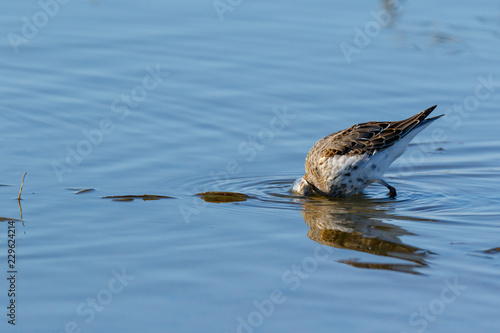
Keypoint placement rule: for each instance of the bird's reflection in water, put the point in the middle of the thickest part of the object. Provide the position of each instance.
(358, 224)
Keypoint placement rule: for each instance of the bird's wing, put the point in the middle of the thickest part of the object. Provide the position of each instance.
(371, 136)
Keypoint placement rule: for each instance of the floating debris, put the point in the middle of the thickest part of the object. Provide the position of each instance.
(85, 190)
(133, 197)
(220, 197)
(21, 189)
(493, 250)
(3, 219)
(81, 190)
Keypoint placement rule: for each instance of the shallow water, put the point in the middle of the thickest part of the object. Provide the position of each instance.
(235, 105)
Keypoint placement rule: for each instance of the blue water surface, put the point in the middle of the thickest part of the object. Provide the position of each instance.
(175, 97)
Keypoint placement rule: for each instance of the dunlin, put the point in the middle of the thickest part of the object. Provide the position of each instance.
(346, 162)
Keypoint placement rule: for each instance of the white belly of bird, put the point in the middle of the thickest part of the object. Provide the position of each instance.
(349, 174)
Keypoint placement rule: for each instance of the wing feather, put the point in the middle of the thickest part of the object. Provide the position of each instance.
(371, 136)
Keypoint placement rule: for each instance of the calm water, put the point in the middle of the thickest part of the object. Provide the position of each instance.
(179, 97)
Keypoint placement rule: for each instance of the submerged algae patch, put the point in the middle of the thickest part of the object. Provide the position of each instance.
(144, 197)
(220, 197)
